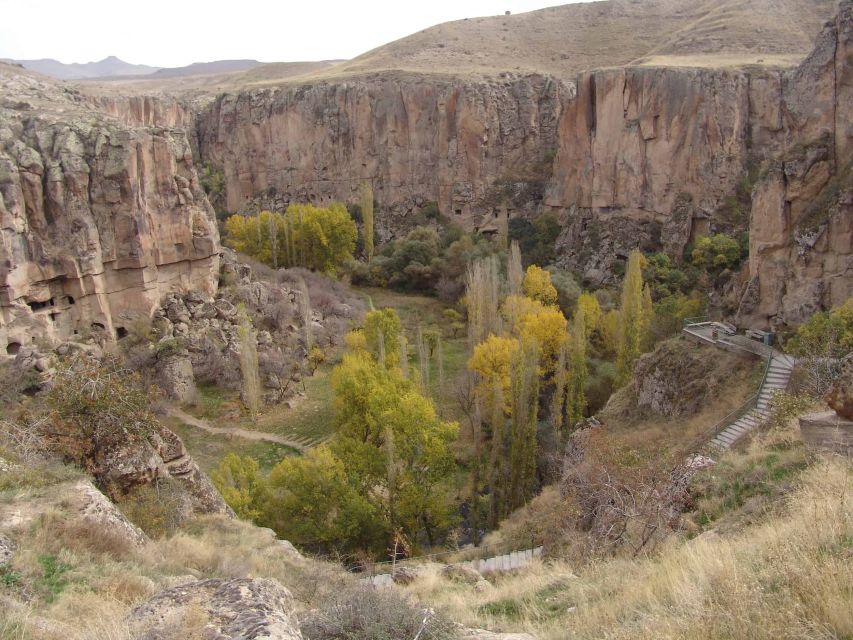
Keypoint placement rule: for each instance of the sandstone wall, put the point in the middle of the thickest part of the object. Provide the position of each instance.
(628, 157)
(98, 219)
(469, 146)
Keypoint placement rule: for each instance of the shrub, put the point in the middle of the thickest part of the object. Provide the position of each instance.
(717, 252)
(158, 508)
(364, 613)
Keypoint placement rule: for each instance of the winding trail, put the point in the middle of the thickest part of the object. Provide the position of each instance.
(258, 436)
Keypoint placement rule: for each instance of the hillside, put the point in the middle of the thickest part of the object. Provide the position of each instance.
(110, 66)
(567, 39)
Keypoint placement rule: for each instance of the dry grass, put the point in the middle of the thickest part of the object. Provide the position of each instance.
(788, 577)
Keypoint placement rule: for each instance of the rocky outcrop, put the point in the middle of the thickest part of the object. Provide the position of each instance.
(160, 456)
(98, 218)
(801, 224)
(80, 502)
(237, 609)
(627, 157)
(471, 147)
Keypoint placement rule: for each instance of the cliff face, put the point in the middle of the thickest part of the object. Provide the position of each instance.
(98, 217)
(468, 146)
(636, 156)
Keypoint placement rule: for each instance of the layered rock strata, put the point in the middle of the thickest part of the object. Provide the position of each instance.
(99, 216)
(631, 156)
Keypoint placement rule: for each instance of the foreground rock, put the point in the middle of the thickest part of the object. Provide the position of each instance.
(238, 609)
(80, 503)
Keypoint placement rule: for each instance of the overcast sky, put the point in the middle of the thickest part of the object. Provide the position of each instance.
(169, 33)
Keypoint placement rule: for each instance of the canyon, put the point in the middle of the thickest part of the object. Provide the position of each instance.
(102, 212)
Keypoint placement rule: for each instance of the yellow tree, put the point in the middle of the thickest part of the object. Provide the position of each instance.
(383, 331)
(592, 314)
(537, 285)
(548, 328)
(492, 360)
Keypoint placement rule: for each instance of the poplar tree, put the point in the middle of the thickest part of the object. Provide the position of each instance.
(482, 292)
(525, 405)
(578, 373)
(514, 270)
(366, 197)
(633, 320)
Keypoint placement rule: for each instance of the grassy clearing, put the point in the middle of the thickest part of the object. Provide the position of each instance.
(208, 449)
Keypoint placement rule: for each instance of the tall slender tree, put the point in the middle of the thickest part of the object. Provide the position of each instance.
(365, 193)
(633, 320)
(515, 270)
(482, 291)
(249, 372)
(525, 405)
(578, 373)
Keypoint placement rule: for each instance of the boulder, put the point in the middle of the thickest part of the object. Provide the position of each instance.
(840, 395)
(827, 430)
(78, 501)
(237, 609)
(175, 377)
(7, 549)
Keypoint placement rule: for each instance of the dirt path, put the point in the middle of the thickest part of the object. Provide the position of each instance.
(260, 436)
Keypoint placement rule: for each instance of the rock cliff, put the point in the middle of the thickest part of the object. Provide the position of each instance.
(631, 156)
(99, 215)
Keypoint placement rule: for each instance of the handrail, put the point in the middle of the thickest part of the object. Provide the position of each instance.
(365, 566)
(724, 423)
(688, 321)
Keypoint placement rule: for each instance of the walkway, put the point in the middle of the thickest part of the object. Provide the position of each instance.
(756, 410)
(248, 434)
(495, 564)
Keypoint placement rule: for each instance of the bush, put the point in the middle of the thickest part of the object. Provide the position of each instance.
(364, 613)
(157, 508)
(717, 252)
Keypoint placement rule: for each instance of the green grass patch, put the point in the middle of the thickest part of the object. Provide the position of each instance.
(208, 449)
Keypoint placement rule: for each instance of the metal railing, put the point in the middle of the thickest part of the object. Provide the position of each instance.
(725, 422)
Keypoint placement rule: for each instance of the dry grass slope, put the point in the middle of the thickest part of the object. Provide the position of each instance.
(565, 40)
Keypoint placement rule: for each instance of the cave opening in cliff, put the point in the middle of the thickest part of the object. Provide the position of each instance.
(121, 332)
(70, 299)
(13, 348)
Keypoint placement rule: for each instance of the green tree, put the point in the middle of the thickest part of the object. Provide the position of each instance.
(633, 317)
(578, 373)
(239, 481)
(311, 502)
(716, 252)
(383, 330)
(365, 194)
(525, 405)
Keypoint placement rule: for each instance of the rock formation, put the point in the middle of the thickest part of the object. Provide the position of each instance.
(237, 609)
(99, 217)
(102, 212)
(631, 156)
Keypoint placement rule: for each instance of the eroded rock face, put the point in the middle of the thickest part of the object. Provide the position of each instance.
(468, 146)
(840, 396)
(627, 157)
(98, 218)
(238, 609)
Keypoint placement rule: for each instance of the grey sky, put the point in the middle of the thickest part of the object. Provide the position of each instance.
(179, 32)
